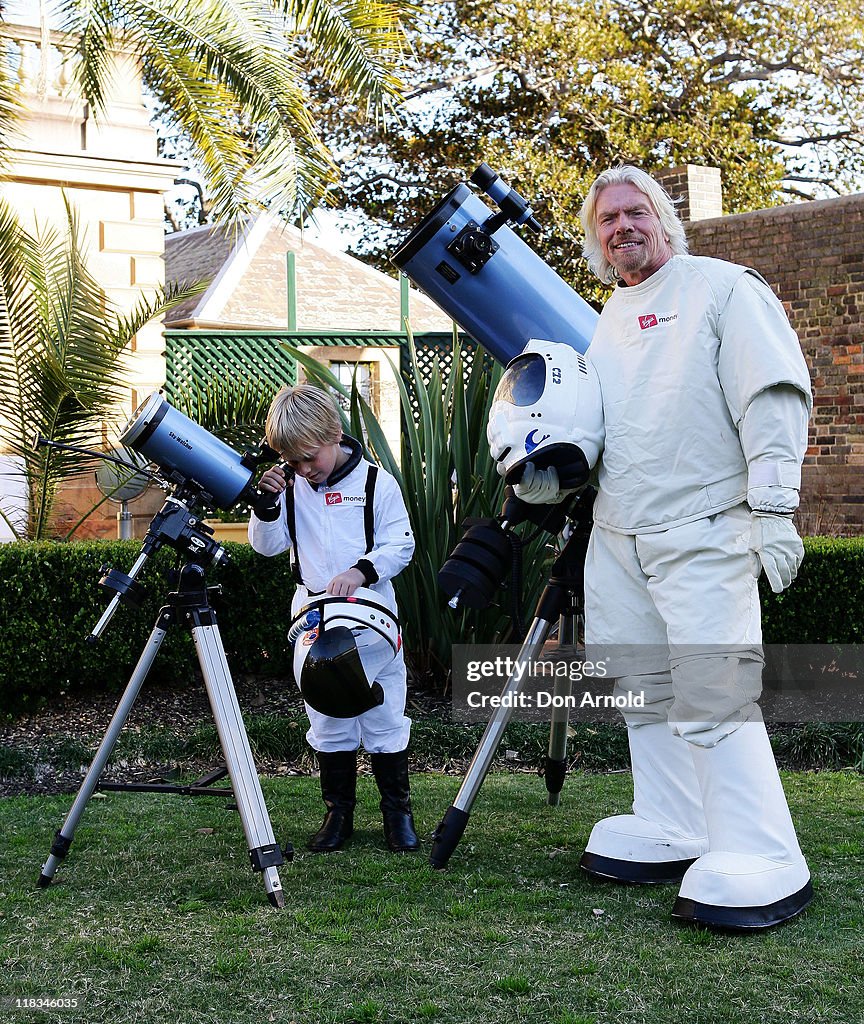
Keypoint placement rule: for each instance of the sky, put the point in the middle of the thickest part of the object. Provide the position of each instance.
(23, 12)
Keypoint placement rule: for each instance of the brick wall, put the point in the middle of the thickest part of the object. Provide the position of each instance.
(813, 256)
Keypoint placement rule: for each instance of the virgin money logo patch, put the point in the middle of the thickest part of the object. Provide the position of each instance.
(648, 320)
(338, 498)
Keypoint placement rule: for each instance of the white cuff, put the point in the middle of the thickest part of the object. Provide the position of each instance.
(773, 499)
(774, 474)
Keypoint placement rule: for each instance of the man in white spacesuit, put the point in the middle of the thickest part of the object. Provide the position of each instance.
(706, 398)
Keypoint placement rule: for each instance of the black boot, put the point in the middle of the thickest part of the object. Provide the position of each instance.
(391, 774)
(338, 791)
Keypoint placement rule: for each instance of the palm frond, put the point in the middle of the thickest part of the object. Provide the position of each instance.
(63, 365)
(232, 75)
(356, 44)
(11, 111)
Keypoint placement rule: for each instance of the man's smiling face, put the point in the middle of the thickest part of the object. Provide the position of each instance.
(630, 233)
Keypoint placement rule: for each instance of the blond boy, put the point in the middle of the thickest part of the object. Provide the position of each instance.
(345, 522)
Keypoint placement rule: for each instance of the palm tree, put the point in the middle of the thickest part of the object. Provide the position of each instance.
(231, 77)
(62, 358)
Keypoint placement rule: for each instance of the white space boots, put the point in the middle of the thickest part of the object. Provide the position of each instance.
(666, 831)
(714, 818)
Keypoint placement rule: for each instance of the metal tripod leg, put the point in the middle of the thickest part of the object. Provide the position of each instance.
(556, 756)
(264, 852)
(452, 825)
(191, 601)
(557, 602)
(65, 834)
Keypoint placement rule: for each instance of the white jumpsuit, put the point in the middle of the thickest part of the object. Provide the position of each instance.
(706, 398)
(331, 538)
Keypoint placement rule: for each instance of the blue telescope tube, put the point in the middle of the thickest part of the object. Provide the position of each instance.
(512, 297)
(179, 445)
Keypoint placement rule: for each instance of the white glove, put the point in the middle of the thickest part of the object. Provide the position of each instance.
(539, 486)
(775, 542)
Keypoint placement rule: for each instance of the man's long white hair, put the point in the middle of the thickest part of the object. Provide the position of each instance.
(658, 197)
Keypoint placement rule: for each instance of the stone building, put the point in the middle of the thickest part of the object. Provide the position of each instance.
(110, 173)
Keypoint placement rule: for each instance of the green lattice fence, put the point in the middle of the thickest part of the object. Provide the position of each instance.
(199, 356)
(437, 346)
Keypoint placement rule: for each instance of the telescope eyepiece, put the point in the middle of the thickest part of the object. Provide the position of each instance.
(484, 176)
(473, 247)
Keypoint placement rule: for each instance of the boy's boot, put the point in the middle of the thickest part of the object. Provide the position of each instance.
(391, 774)
(339, 793)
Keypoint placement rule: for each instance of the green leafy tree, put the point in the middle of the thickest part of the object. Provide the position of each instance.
(549, 92)
(232, 78)
(62, 359)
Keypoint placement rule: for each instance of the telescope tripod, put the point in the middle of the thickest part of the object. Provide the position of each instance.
(561, 600)
(190, 606)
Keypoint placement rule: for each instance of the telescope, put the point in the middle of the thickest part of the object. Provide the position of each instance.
(472, 264)
(190, 456)
(469, 262)
(205, 473)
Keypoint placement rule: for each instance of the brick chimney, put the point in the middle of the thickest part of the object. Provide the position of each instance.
(699, 189)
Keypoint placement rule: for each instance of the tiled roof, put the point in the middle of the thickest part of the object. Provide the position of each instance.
(247, 272)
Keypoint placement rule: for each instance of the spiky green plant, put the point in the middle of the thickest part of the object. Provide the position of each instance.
(63, 360)
(233, 408)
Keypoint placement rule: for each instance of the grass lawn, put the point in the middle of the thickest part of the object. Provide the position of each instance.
(156, 917)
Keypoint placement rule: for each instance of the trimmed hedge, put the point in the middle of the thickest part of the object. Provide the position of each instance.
(825, 605)
(50, 601)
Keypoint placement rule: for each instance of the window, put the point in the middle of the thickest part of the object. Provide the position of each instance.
(345, 371)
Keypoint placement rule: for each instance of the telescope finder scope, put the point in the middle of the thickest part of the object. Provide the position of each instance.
(507, 199)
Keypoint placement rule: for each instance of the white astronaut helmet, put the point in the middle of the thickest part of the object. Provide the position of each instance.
(340, 645)
(547, 410)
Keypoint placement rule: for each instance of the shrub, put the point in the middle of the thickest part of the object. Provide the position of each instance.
(825, 604)
(50, 602)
